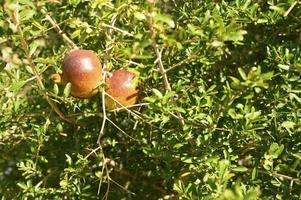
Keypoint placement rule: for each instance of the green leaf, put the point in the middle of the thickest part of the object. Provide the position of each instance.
(150, 99)
(254, 173)
(179, 109)
(267, 76)
(27, 14)
(234, 115)
(68, 159)
(277, 8)
(186, 160)
(140, 16)
(293, 96)
(29, 69)
(253, 115)
(240, 169)
(76, 33)
(44, 60)
(178, 145)
(16, 86)
(23, 186)
(164, 18)
(236, 81)
(18, 103)
(288, 125)
(74, 2)
(136, 80)
(55, 89)
(297, 155)
(282, 66)
(242, 74)
(67, 90)
(275, 150)
(217, 43)
(157, 93)
(198, 31)
(235, 36)
(33, 47)
(28, 3)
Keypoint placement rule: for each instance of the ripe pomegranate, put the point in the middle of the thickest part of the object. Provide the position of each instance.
(121, 87)
(83, 70)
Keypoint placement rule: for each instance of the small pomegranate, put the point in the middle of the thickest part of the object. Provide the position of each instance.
(83, 70)
(122, 87)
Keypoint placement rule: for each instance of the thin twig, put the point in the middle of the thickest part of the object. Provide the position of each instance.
(104, 167)
(122, 107)
(157, 51)
(130, 106)
(118, 29)
(92, 152)
(55, 25)
(159, 56)
(38, 149)
(274, 174)
(182, 62)
(134, 63)
(290, 9)
(122, 131)
(3, 40)
(122, 187)
(104, 74)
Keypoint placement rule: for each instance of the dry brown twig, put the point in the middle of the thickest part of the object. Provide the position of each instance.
(159, 55)
(104, 70)
(277, 175)
(118, 29)
(189, 58)
(157, 51)
(290, 9)
(126, 108)
(104, 113)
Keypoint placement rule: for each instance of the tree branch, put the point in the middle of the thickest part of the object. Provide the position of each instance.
(274, 174)
(104, 74)
(156, 49)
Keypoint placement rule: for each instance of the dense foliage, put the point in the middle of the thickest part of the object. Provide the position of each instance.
(219, 113)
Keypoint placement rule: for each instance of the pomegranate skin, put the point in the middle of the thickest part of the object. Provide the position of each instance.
(83, 70)
(122, 88)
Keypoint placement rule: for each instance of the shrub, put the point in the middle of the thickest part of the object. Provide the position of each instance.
(218, 116)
